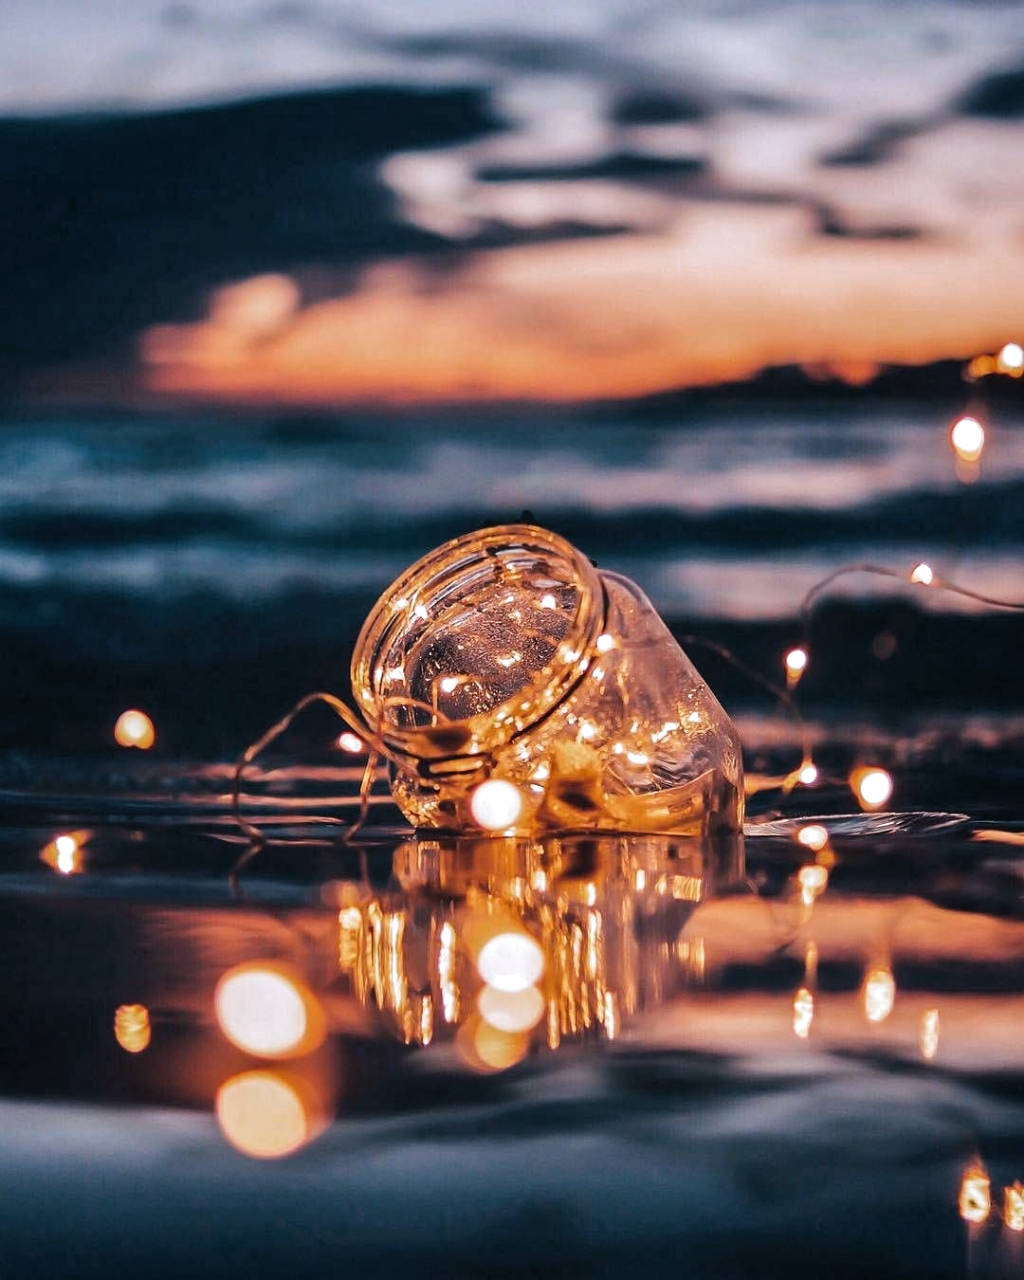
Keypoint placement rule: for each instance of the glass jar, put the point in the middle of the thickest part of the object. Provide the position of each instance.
(505, 657)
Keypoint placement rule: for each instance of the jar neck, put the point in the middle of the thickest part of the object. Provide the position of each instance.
(440, 581)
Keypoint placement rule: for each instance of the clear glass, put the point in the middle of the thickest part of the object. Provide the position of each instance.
(506, 655)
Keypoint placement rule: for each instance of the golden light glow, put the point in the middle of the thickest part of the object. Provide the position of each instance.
(975, 1200)
(496, 804)
(1013, 1207)
(967, 436)
(605, 643)
(352, 743)
(929, 1037)
(813, 836)
(1011, 359)
(64, 853)
(878, 994)
(808, 774)
(131, 1027)
(264, 1114)
(922, 574)
(134, 729)
(486, 1049)
(795, 663)
(511, 1010)
(266, 1011)
(803, 1013)
(872, 786)
(511, 961)
(812, 880)
(548, 601)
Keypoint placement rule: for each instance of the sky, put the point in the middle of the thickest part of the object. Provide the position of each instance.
(462, 202)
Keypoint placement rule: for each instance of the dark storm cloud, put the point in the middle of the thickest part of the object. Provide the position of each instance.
(111, 222)
(620, 166)
(998, 96)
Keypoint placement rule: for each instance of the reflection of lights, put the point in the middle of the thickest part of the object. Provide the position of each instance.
(134, 729)
(446, 973)
(929, 1037)
(796, 664)
(484, 1048)
(511, 961)
(803, 1013)
(264, 1011)
(967, 436)
(808, 774)
(872, 787)
(813, 836)
(496, 804)
(922, 574)
(878, 993)
(511, 1010)
(263, 1114)
(67, 854)
(352, 743)
(131, 1027)
(975, 1201)
(812, 879)
(605, 643)
(1011, 359)
(548, 601)
(1013, 1207)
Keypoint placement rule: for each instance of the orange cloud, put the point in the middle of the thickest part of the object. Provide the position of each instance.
(727, 291)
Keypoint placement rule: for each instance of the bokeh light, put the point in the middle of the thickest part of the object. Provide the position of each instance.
(803, 1013)
(967, 437)
(268, 1012)
(929, 1037)
(511, 1010)
(975, 1200)
(264, 1114)
(352, 743)
(1011, 359)
(496, 804)
(134, 729)
(878, 994)
(922, 574)
(131, 1027)
(1013, 1207)
(813, 836)
(872, 786)
(511, 961)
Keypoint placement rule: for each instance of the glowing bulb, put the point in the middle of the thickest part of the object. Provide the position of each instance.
(808, 775)
(131, 1027)
(548, 601)
(814, 836)
(511, 1010)
(929, 1037)
(67, 854)
(1011, 359)
(264, 1011)
(264, 1115)
(352, 743)
(796, 662)
(872, 787)
(967, 437)
(803, 1013)
(496, 804)
(878, 994)
(134, 729)
(975, 1200)
(812, 880)
(1013, 1207)
(922, 574)
(605, 643)
(511, 961)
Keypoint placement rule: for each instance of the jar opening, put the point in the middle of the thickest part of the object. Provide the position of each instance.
(477, 640)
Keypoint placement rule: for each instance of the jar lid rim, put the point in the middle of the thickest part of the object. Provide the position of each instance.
(507, 720)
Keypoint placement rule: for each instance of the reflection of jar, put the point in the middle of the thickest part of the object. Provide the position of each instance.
(505, 654)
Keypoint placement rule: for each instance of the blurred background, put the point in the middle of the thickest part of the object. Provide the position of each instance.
(295, 291)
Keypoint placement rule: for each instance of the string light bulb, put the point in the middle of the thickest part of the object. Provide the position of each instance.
(496, 804)
(872, 786)
(921, 575)
(795, 663)
(1013, 1207)
(813, 836)
(134, 728)
(967, 436)
(878, 994)
(352, 743)
(975, 1200)
(1010, 359)
(131, 1027)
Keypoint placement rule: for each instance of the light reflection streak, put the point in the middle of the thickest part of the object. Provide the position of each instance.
(1013, 1207)
(878, 993)
(929, 1037)
(975, 1199)
(803, 1012)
